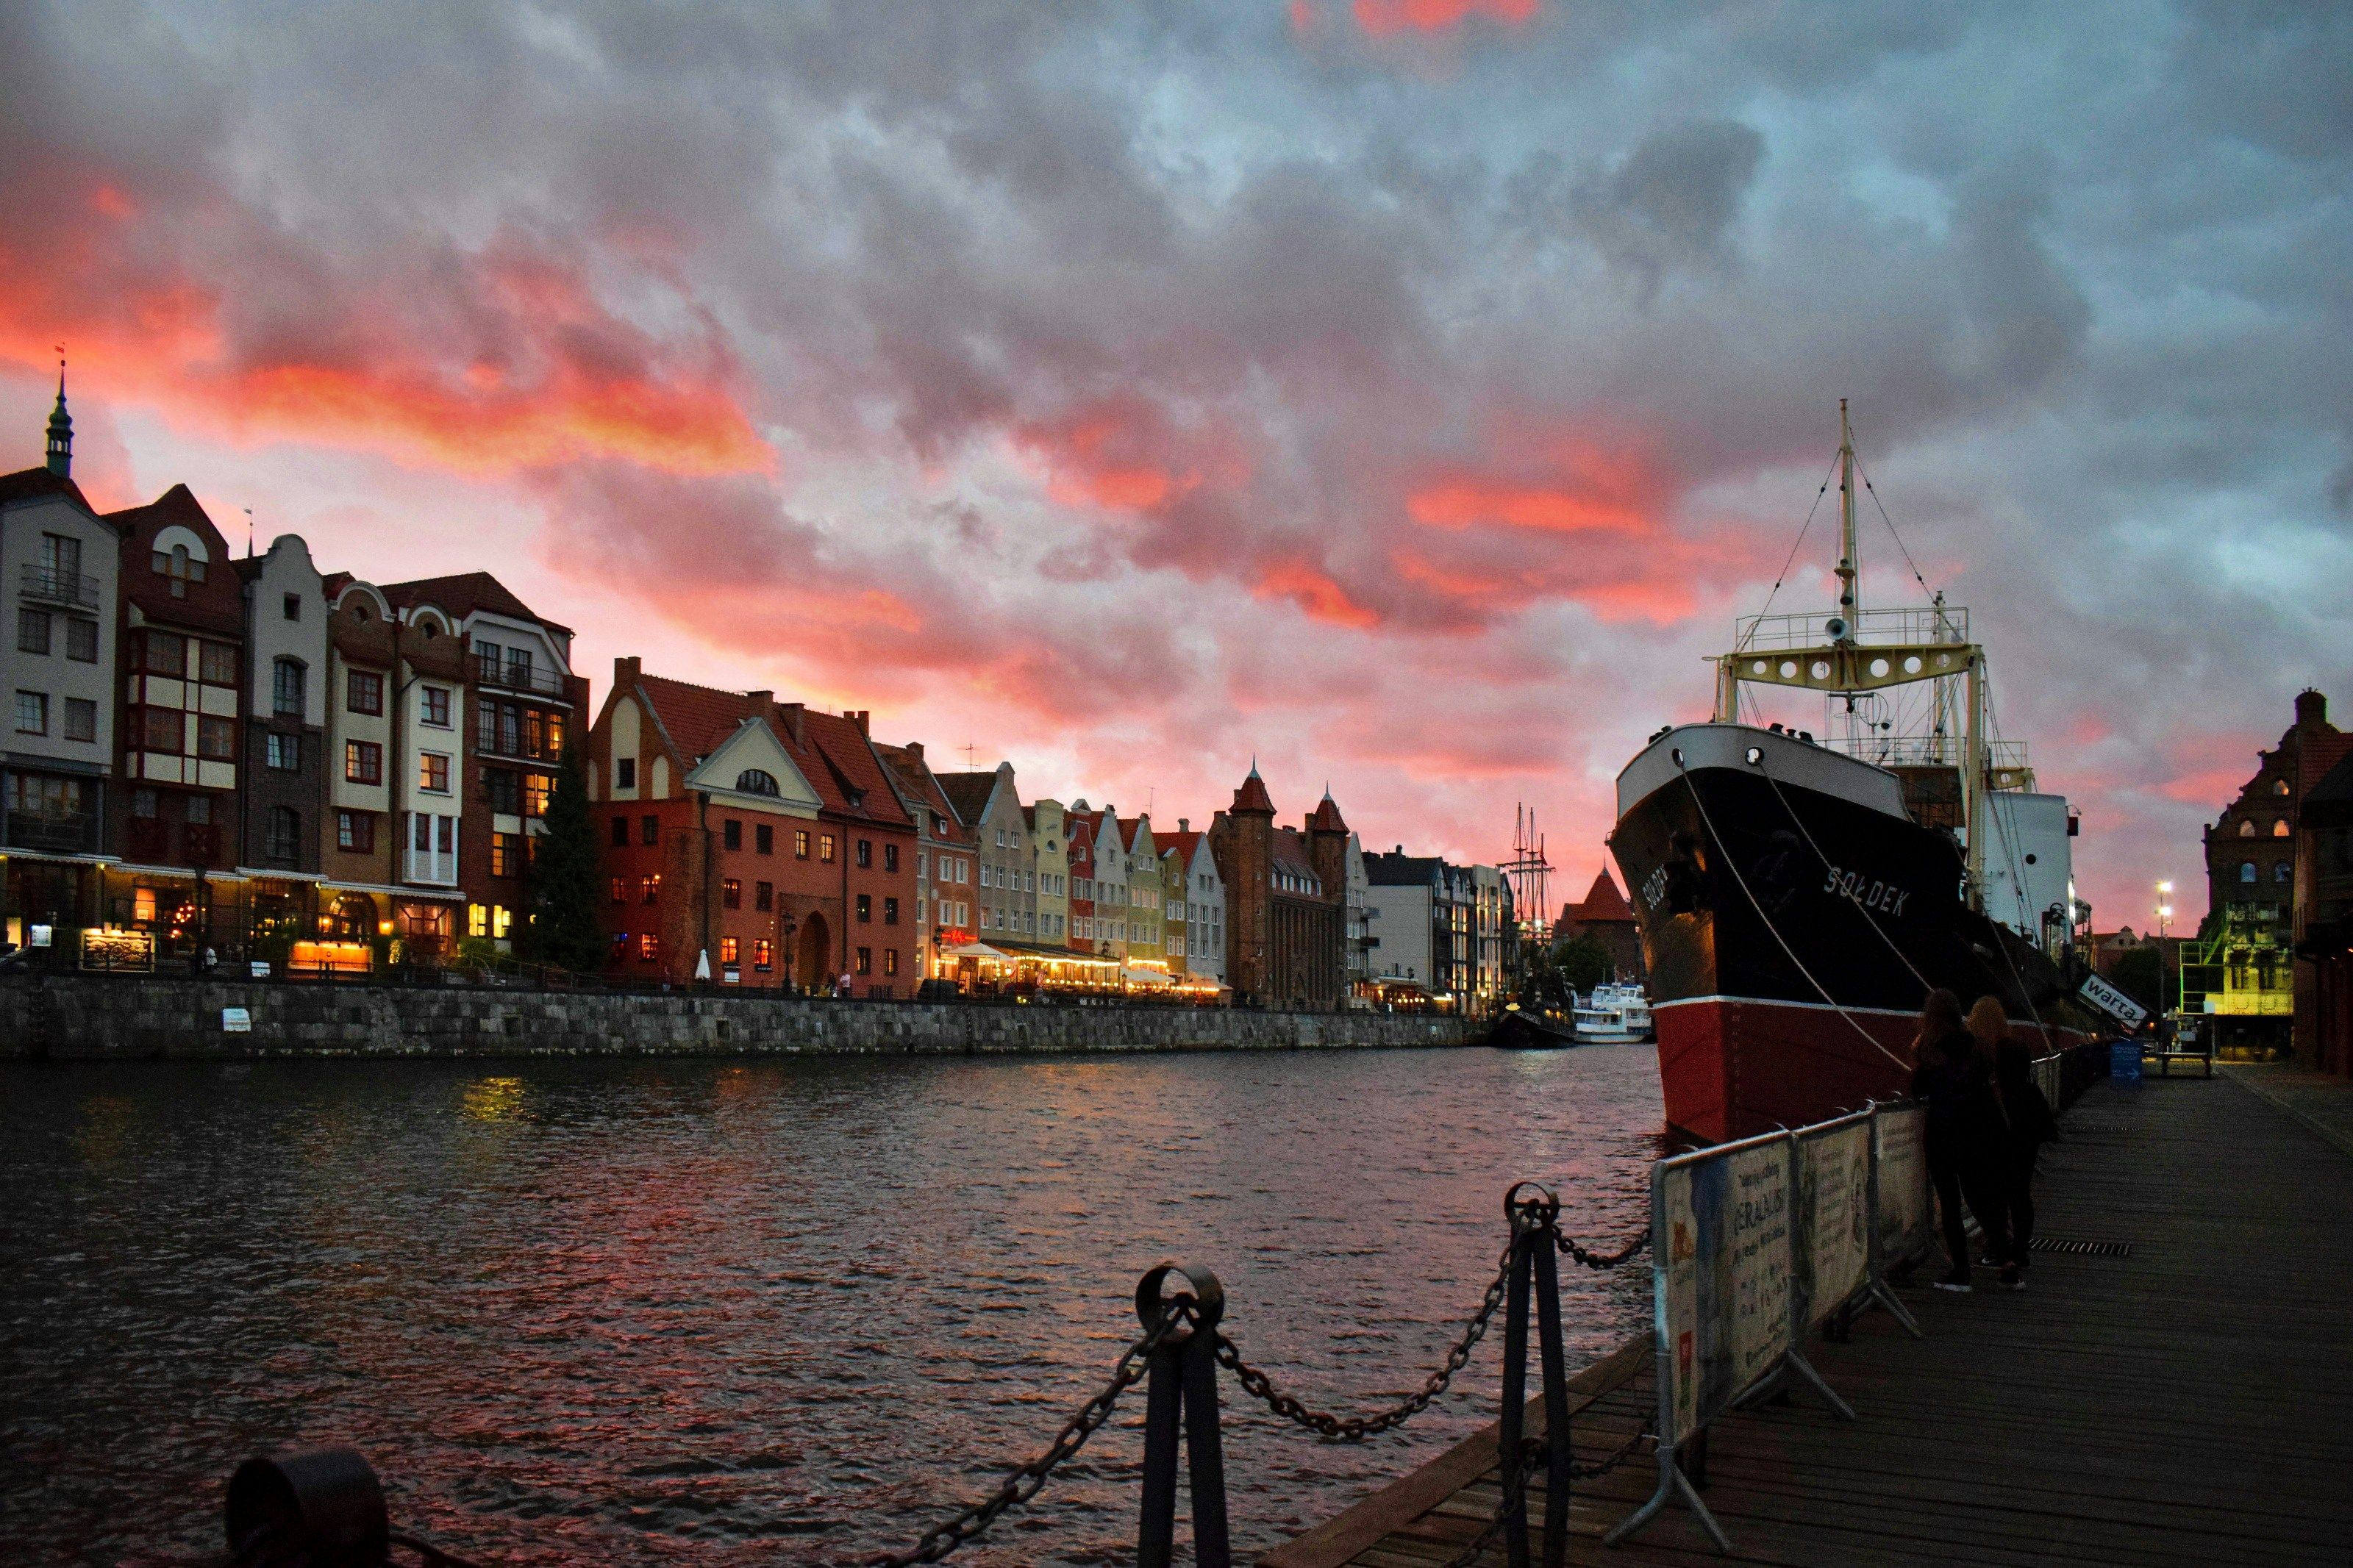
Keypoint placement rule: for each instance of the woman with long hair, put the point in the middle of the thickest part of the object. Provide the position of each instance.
(1964, 1131)
(2028, 1124)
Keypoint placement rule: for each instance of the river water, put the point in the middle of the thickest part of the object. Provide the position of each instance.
(772, 1312)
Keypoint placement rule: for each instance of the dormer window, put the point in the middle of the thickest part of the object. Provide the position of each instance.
(756, 781)
(180, 567)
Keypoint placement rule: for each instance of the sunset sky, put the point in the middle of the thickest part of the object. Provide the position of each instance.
(1409, 393)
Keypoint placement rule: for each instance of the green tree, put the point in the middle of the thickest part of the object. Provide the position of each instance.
(1583, 963)
(560, 925)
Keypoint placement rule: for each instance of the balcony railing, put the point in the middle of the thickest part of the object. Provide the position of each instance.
(54, 586)
(74, 834)
(513, 676)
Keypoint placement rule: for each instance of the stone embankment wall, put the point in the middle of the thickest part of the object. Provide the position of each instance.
(118, 1018)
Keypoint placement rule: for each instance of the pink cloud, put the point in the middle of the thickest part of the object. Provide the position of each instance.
(1385, 18)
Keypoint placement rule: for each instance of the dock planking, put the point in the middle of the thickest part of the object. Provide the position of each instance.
(2187, 1405)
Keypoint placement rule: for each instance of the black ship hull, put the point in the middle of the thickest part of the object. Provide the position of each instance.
(1793, 919)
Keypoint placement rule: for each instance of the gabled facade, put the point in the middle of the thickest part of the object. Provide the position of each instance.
(945, 870)
(1144, 898)
(1079, 854)
(1049, 846)
(180, 735)
(1193, 904)
(750, 842)
(1106, 888)
(61, 564)
(989, 807)
(286, 702)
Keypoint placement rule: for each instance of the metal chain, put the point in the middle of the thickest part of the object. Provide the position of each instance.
(1024, 1483)
(1515, 1487)
(1356, 1428)
(1602, 1259)
(1604, 1465)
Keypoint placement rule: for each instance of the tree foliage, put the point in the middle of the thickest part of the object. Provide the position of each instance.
(560, 893)
(1583, 963)
(2138, 973)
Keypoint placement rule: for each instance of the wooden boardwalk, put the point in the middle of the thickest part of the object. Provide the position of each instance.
(2191, 1404)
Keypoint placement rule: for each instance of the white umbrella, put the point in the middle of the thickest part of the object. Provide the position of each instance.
(703, 964)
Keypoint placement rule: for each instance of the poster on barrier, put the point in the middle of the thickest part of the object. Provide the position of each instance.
(1834, 1206)
(1725, 1300)
(1900, 1134)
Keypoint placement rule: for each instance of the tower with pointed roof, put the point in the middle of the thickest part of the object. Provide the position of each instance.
(61, 431)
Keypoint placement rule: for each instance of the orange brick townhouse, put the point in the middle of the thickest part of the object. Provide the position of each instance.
(760, 834)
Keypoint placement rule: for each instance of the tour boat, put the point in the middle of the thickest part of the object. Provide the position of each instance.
(1613, 1014)
(1798, 897)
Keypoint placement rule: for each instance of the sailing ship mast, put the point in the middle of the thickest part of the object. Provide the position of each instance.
(1903, 648)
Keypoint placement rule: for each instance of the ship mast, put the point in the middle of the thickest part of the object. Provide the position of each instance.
(1848, 568)
(1828, 655)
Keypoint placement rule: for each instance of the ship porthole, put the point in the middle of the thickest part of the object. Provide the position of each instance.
(1879, 667)
(1755, 755)
(1911, 665)
(1822, 670)
(1758, 668)
(1789, 669)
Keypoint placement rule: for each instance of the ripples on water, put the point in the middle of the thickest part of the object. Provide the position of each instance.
(753, 1312)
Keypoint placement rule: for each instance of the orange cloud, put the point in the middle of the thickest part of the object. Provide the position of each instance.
(1314, 592)
(505, 359)
(1465, 503)
(1384, 18)
(1122, 454)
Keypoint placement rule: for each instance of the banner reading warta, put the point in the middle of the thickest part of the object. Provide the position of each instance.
(1834, 1185)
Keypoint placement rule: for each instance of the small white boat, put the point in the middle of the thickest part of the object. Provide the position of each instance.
(1613, 1014)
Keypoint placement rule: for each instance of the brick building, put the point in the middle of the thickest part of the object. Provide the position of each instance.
(760, 836)
(1286, 892)
(1607, 919)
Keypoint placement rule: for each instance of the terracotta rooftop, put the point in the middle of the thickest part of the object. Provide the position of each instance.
(1252, 796)
(968, 794)
(1326, 818)
(29, 484)
(1604, 902)
(832, 753)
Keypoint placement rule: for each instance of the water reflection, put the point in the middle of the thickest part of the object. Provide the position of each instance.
(732, 1312)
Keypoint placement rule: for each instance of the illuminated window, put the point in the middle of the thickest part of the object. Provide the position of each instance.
(648, 888)
(433, 772)
(2279, 828)
(800, 843)
(478, 920)
(649, 947)
(362, 762)
(620, 890)
(537, 790)
(502, 920)
(763, 956)
(730, 951)
(865, 961)
(731, 894)
(825, 847)
(889, 960)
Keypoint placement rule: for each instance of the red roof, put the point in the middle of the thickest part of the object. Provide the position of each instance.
(1252, 796)
(920, 783)
(216, 604)
(833, 753)
(463, 595)
(1291, 853)
(1605, 902)
(1327, 818)
(1183, 841)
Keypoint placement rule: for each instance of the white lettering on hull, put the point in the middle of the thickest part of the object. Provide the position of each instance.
(1870, 892)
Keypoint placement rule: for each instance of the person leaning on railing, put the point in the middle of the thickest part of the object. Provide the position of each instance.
(1954, 1081)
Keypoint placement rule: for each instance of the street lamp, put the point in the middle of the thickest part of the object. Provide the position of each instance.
(2164, 921)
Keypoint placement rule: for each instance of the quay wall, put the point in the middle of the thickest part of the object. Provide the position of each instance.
(87, 1017)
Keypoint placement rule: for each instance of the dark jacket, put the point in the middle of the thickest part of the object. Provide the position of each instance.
(1965, 1121)
(2032, 1124)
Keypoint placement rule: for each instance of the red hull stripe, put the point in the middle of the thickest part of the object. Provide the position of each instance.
(1733, 1067)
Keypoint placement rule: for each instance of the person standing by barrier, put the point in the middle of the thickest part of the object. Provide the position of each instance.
(1953, 1081)
(2028, 1124)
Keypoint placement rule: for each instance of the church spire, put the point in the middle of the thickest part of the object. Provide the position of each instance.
(61, 430)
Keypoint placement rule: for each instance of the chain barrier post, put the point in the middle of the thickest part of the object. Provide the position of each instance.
(1535, 1218)
(1182, 1391)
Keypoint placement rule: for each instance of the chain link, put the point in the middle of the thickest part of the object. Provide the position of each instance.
(1602, 1259)
(1356, 1428)
(1026, 1482)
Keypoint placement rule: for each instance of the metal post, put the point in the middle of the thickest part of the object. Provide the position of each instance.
(1535, 1265)
(1183, 1389)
